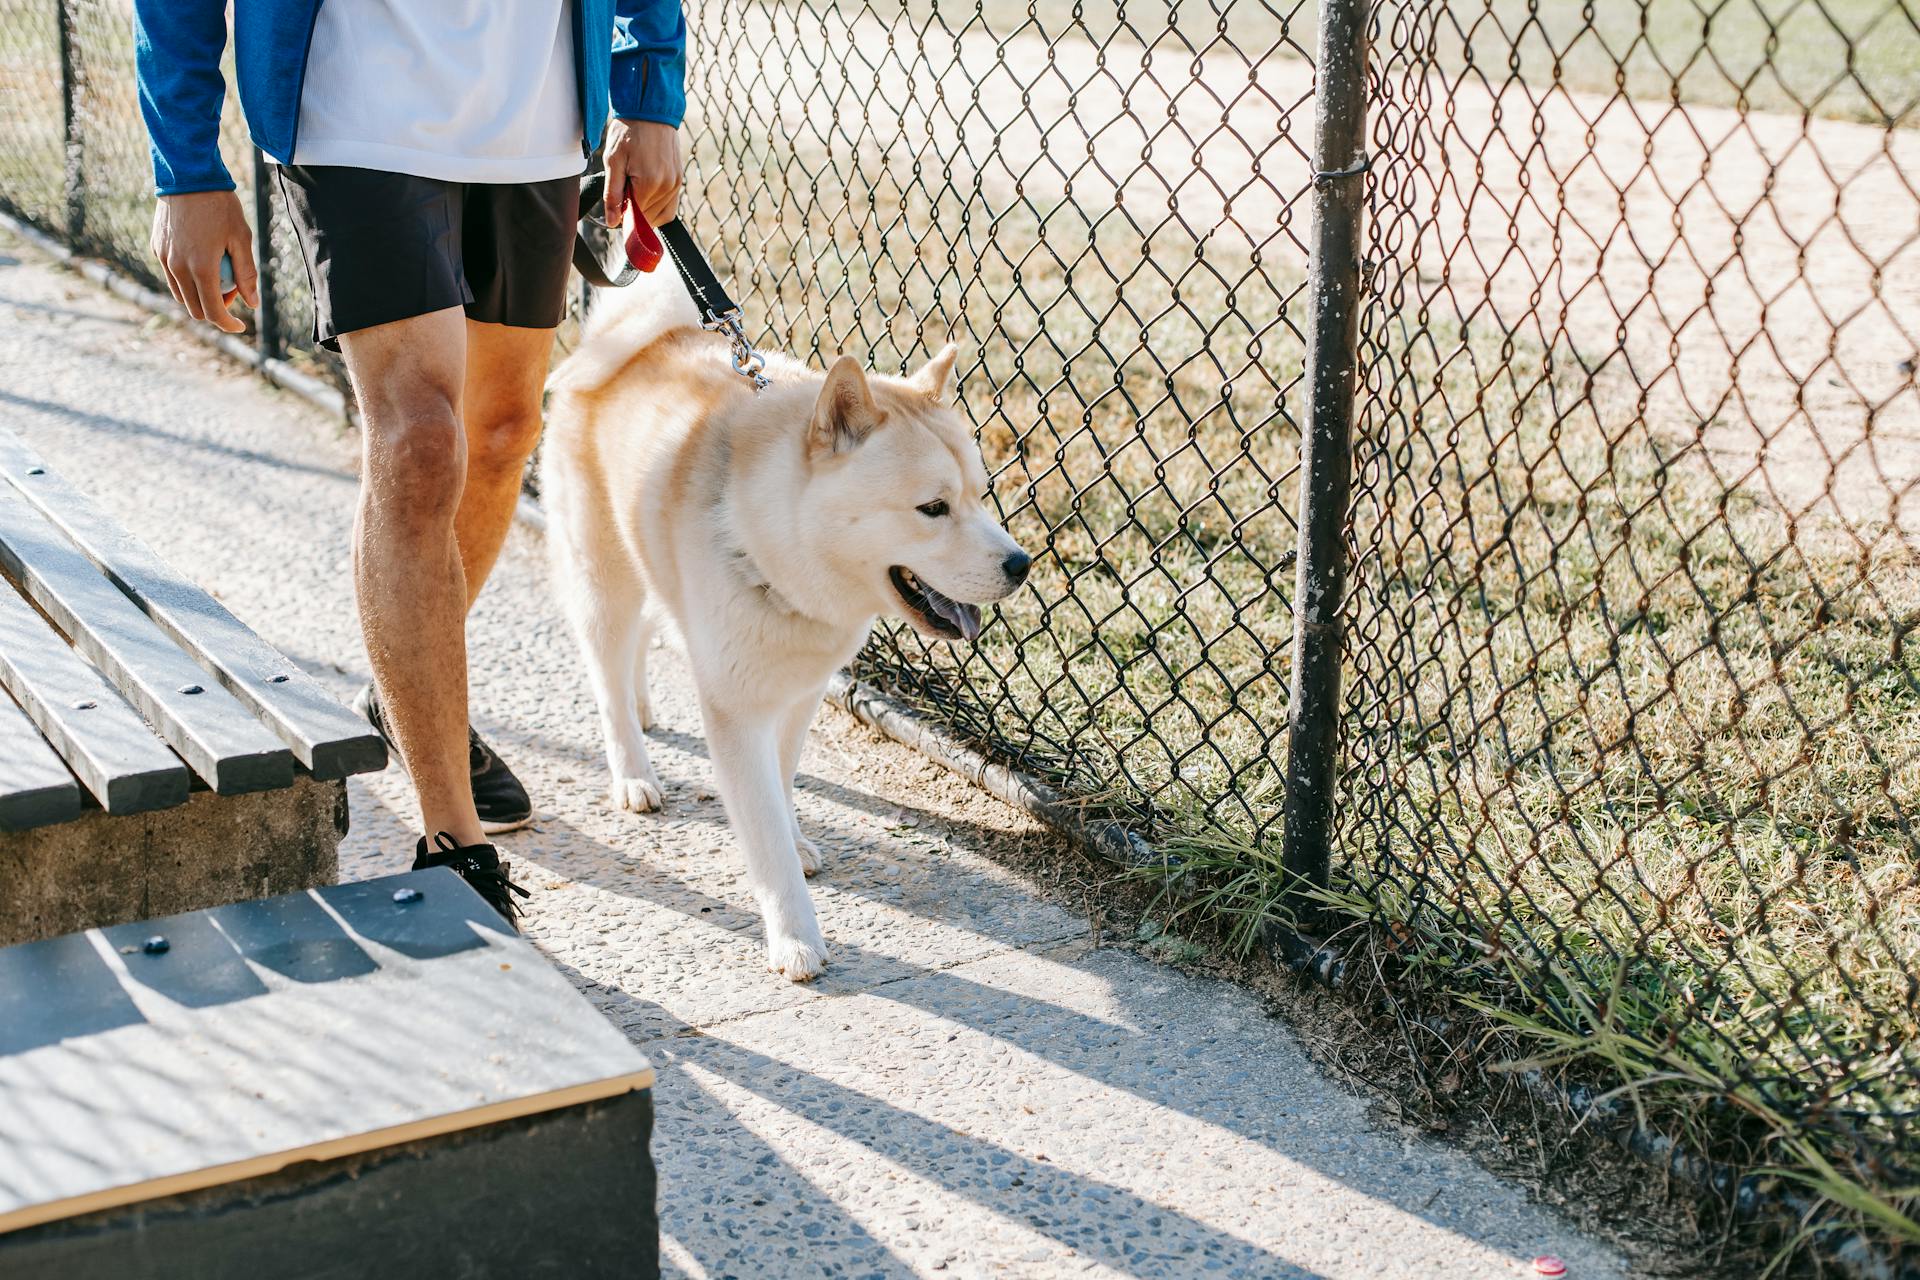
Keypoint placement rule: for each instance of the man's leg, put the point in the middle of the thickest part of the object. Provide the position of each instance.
(506, 367)
(516, 244)
(408, 378)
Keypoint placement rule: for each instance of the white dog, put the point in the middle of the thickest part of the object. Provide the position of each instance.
(772, 528)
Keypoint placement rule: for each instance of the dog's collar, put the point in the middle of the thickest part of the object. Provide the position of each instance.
(756, 580)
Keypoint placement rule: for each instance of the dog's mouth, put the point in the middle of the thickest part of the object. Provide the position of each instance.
(932, 612)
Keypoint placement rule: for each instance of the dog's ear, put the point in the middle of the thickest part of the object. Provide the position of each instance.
(935, 378)
(845, 414)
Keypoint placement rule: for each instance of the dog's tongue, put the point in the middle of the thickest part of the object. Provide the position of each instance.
(964, 616)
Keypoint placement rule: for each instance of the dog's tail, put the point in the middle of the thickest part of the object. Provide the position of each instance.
(621, 324)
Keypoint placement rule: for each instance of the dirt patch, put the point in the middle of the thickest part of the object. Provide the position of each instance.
(1748, 281)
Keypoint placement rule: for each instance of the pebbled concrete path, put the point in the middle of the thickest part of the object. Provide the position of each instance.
(975, 1088)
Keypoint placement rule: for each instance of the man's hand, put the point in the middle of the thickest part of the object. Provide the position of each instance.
(646, 155)
(190, 233)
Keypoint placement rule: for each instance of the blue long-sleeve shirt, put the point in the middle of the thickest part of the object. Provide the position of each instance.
(629, 55)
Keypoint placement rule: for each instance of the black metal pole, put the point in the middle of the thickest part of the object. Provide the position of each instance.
(266, 319)
(76, 210)
(1339, 161)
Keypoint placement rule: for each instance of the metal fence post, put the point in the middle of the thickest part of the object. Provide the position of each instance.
(266, 318)
(76, 208)
(1339, 161)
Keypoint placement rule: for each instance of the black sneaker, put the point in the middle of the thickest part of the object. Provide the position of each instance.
(480, 866)
(498, 797)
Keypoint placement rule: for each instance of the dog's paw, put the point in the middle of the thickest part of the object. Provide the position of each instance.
(801, 961)
(638, 795)
(809, 854)
(643, 709)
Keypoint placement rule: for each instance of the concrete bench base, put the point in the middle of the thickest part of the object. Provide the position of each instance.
(101, 870)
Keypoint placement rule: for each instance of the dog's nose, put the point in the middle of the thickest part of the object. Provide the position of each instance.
(1015, 566)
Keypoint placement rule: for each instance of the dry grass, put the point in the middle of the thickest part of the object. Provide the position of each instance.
(1641, 734)
(32, 160)
(1845, 59)
(1633, 764)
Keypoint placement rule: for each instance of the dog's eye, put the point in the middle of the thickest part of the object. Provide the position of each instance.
(934, 509)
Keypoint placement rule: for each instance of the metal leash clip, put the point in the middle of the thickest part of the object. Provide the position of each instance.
(747, 362)
(645, 246)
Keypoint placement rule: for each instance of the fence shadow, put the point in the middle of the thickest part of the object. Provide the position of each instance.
(1137, 1053)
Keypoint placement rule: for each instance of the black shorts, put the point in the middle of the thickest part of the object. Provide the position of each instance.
(385, 246)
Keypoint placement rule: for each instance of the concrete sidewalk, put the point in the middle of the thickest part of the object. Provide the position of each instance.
(974, 1088)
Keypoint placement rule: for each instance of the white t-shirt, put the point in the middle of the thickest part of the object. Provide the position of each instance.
(462, 90)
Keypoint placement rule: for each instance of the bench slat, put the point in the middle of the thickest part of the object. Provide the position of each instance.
(221, 739)
(103, 740)
(330, 740)
(35, 788)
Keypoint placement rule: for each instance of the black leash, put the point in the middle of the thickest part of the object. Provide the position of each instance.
(718, 312)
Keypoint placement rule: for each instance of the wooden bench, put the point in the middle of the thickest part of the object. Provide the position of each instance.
(371, 1079)
(155, 754)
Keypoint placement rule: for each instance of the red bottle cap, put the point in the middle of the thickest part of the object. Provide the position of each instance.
(1548, 1265)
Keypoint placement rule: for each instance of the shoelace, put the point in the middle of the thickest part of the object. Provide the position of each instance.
(491, 883)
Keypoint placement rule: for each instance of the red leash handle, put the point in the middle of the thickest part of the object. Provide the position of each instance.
(643, 242)
(643, 245)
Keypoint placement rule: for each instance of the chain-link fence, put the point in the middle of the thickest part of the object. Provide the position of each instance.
(74, 159)
(1632, 723)
(1626, 740)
